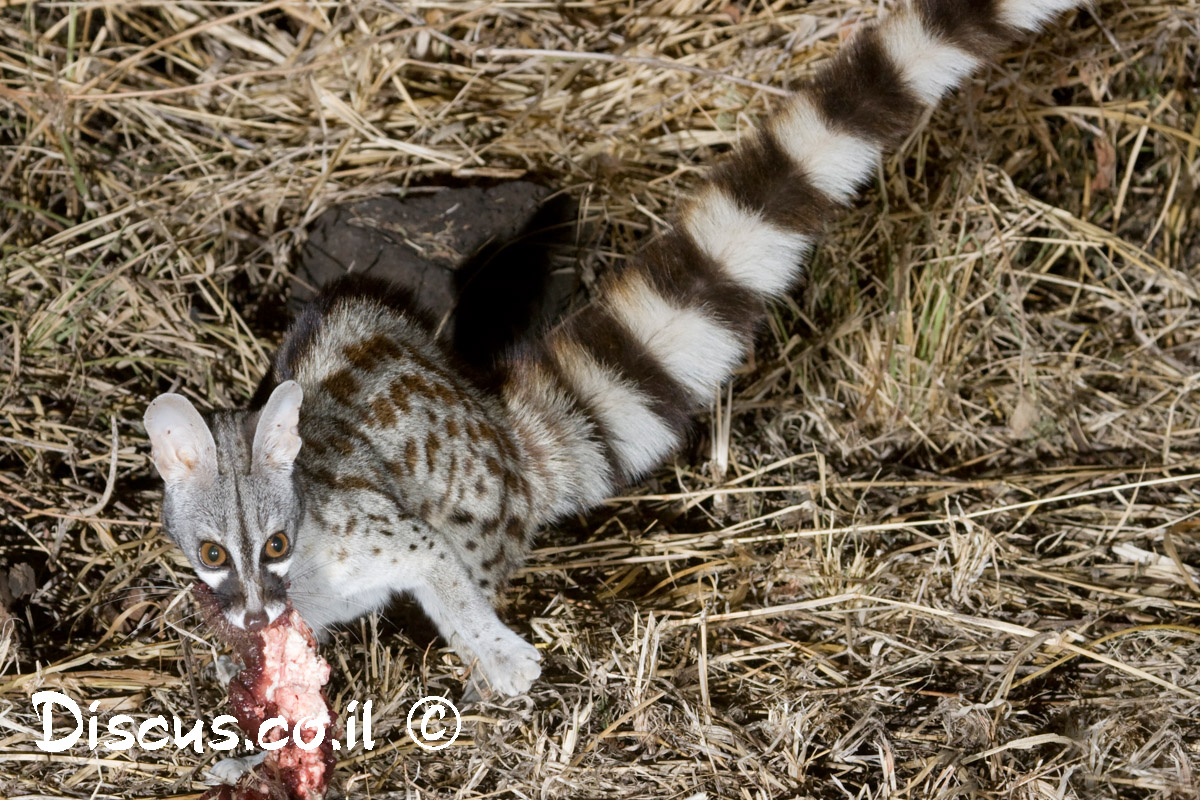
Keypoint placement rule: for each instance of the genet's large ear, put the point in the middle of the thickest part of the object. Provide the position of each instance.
(182, 445)
(277, 438)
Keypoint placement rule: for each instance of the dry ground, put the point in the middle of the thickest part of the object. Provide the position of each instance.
(936, 545)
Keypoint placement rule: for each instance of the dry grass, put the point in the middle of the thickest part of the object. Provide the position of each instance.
(937, 545)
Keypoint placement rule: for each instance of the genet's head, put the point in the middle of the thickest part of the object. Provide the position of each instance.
(230, 502)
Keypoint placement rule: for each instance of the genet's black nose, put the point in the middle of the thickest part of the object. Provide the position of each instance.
(256, 621)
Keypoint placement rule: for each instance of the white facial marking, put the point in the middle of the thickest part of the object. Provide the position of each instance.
(236, 617)
(274, 610)
(213, 577)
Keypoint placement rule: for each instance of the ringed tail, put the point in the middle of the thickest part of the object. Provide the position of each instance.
(608, 394)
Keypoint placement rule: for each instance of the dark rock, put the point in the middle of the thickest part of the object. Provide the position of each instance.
(477, 259)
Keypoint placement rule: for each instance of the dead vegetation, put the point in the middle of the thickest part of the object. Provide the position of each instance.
(939, 541)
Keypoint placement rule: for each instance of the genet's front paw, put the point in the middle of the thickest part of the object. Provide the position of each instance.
(508, 664)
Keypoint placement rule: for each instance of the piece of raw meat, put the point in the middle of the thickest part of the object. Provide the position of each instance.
(282, 677)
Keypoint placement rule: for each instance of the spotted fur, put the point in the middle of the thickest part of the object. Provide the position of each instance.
(414, 478)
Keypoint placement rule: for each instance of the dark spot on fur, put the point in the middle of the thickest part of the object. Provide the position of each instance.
(398, 393)
(445, 394)
(515, 483)
(432, 443)
(496, 558)
(515, 528)
(341, 386)
(383, 411)
(371, 353)
(415, 384)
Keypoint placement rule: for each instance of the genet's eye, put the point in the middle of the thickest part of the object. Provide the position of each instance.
(277, 546)
(212, 554)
